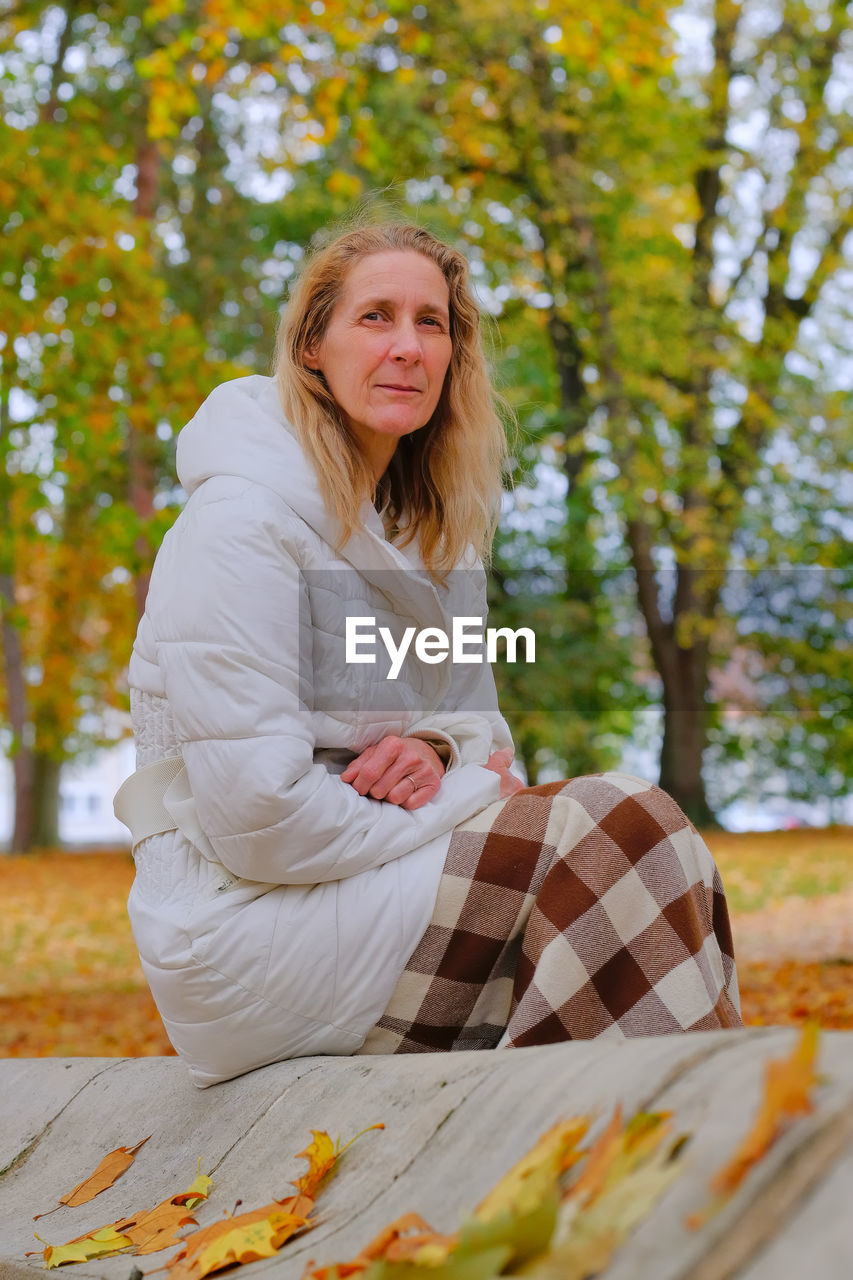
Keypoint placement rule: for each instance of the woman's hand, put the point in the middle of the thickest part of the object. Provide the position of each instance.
(404, 771)
(499, 763)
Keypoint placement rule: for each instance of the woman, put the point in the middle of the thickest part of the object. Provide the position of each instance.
(332, 861)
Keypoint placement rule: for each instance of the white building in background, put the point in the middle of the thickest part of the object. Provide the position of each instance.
(87, 788)
(86, 793)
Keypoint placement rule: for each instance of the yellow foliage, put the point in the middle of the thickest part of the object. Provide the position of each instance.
(99, 1244)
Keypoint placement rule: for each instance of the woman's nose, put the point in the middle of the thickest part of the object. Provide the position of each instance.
(406, 344)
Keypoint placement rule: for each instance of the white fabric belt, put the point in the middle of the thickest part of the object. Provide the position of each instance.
(139, 804)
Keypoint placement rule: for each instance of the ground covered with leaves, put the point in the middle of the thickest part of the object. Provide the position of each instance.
(70, 981)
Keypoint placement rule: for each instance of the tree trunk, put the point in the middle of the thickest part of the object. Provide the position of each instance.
(16, 697)
(10, 644)
(685, 732)
(681, 661)
(46, 775)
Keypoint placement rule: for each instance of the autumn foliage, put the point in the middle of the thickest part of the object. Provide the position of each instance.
(71, 981)
(563, 1210)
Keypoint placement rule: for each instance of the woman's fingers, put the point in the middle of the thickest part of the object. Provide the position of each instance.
(414, 790)
(499, 762)
(380, 768)
(404, 771)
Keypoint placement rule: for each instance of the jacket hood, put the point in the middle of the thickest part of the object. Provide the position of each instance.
(240, 430)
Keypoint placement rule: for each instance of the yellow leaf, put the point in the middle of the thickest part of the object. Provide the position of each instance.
(98, 1244)
(630, 1170)
(291, 1214)
(538, 1169)
(247, 1241)
(321, 1156)
(198, 1190)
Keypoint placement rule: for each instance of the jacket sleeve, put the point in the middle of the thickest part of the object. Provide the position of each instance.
(225, 603)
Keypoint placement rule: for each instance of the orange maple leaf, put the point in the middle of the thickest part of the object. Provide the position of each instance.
(108, 1171)
(599, 1160)
(230, 1241)
(155, 1229)
(400, 1240)
(788, 1083)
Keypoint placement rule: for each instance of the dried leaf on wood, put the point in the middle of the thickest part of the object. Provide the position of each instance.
(788, 1084)
(108, 1171)
(148, 1231)
(538, 1170)
(232, 1240)
(531, 1223)
(322, 1155)
(197, 1191)
(101, 1243)
(155, 1229)
(629, 1169)
(259, 1237)
(259, 1233)
(518, 1216)
(599, 1159)
(400, 1239)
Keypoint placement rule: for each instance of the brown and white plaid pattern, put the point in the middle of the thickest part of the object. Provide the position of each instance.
(567, 912)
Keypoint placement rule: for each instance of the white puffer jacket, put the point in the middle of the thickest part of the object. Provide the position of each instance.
(276, 920)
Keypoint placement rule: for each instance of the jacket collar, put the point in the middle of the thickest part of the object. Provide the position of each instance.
(240, 430)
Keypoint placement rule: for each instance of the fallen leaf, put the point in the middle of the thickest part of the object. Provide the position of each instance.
(599, 1158)
(398, 1239)
(108, 1171)
(482, 1265)
(148, 1231)
(788, 1083)
(236, 1239)
(321, 1156)
(102, 1243)
(155, 1229)
(248, 1241)
(632, 1170)
(198, 1190)
(536, 1172)
(530, 1224)
(576, 1259)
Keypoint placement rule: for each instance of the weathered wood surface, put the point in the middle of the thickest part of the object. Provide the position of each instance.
(454, 1124)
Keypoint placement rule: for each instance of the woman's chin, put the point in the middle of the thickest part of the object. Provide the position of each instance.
(391, 428)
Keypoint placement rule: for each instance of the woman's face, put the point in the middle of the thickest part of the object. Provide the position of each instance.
(386, 349)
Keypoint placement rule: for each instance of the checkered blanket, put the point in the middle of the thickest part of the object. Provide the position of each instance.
(575, 910)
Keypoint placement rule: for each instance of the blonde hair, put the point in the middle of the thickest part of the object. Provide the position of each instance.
(443, 485)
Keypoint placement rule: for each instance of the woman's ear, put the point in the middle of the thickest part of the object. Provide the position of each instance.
(311, 360)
